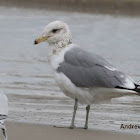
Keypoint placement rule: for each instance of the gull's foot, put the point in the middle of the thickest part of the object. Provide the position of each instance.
(85, 127)
(72, 126)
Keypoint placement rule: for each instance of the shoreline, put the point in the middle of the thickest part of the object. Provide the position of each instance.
(22, 131)
(124, 7)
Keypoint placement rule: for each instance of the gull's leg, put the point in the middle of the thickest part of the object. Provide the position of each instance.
(87, 114)
(74, 113)
(4, 133)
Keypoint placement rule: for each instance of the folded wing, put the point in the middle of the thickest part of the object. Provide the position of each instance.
(86, 69)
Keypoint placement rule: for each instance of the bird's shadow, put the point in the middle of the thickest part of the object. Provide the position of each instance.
(68, 127)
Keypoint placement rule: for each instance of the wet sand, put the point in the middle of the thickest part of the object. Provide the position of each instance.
(24, 131)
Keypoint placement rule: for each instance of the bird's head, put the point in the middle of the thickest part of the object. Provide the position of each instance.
(55, 32)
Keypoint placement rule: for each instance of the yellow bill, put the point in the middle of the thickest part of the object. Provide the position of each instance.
(40, 39)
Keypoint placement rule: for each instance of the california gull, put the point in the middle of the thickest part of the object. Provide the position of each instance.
(3, 112)
(84, 76)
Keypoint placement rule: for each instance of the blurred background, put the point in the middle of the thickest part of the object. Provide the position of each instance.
(110, 28)
(105, 6)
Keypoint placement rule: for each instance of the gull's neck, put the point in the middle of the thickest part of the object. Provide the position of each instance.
(56, 48)
(56, 52)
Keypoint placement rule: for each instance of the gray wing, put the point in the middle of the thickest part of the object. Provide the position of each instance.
(85, 69)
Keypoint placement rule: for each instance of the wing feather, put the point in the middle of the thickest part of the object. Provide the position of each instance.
(86, 69)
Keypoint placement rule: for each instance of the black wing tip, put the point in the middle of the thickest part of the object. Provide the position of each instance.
(123, 88)
(136, 89)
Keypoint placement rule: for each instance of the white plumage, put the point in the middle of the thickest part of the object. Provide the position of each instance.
(3, 104)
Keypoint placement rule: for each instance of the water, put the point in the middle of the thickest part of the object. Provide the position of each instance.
(27, 79)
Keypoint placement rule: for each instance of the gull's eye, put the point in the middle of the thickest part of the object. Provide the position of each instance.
(55, 30)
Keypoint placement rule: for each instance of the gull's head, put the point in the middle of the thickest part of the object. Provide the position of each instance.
(54, 33)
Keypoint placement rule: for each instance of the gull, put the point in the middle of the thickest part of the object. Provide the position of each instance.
(84, 76)
(3, 112)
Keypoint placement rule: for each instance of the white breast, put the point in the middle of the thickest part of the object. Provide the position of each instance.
(58, 57)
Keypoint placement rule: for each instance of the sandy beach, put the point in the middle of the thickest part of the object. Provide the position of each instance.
(25, 131)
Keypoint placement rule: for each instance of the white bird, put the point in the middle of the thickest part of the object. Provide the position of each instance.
(85, 77)
(3, 112)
